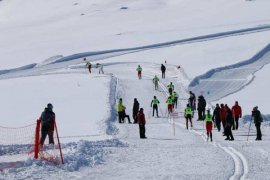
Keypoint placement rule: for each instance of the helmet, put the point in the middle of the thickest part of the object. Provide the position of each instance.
(50, 106)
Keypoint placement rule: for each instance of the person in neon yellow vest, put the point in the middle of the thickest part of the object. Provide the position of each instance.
(139, 70)
(175, 99)
(188, 115)
(155, 103)
(209, 125)
(170, 88)
(170, 104)
(155, 81)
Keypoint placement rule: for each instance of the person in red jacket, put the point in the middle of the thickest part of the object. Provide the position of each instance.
(237, 113)
(141, 122)
(223, 114)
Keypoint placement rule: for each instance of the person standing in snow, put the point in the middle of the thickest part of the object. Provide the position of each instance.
(237, 113)
(139, 70)
(229, 122)
(155, 81)
(135, 110)
(223, 114)
(120, 109)
(170, 104)
(100, 68)
(192, 101)
(170, 88)
(154, 104)
(47, 124)
(88, 65)
(125, 115)
(188, 115)
(256, 114)
(201, 107)
(163, 70)
(217, 116)
(209, 125)
(141, 122)
(175, 99)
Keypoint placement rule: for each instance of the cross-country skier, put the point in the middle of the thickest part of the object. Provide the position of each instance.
(155, 81)
(154, 104)
(201, 107)
(229, 122)
(88, 65)
(141, 122)
(170, 88)
(100, 68)
(163, 70)
(256, 114)
(223, 114)
(217, 116)
(237, 113)
(47, 124)
(135, 110)
(170, 104)
(120, 108)
(175, 99)
(209, 125)
(139, 70)
(188, 115)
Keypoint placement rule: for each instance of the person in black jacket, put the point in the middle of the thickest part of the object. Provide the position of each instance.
(136, 107)
(217, 116)
(229, 123)
(201, 107)
(163, 70)
(47, 124)
(256, 114)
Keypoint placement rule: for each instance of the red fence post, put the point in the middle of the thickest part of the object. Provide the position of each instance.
(36, 147)
(59, 145)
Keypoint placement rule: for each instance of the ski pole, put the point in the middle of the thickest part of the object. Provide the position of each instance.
(249, 127)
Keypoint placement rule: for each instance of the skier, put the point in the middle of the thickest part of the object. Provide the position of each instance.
(229, 122)
(209, 125)
(139, 70)
(100, 68)
(163, 70)
(135, 111)
(237, 113)
(217, 116)
(201, 108)
(47, 124)
(175, 99)
(256, 114)
(192, 101)
(155, 81)
(141, 122)
(188, 115)
(170, 104)
(120, 108)
(155, 103)
(125, 115)
(88, 65)
(170, 88)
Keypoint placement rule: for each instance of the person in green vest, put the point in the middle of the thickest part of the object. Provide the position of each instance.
(170, 88)
(188, 115)
(120, 109)
(88, 65)
(175, 99)
(170, 104)
(139, 70)
(154, 104)
(209, 125)
(155, 81)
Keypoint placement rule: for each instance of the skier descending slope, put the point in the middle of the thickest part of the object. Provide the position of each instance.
(155, 81)
(141, 122)
(217, 116)
(188, 115)
(237, 113)
(139, 70)
(155, 103)
(209, 125)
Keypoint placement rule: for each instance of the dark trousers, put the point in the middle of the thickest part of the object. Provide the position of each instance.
(170, 91)
(259, 132)
(156, 85)
(135, 116)
(89, 68)
(175, 102)
(228, 132)
(120, 117)
(235, 123)
(163, 74)
(209, 134)
(142, 131)
(223, 125)
(188, 118)
(217, 121)
(201, 114)
(155, 107)
(126, 116)
(43, 137)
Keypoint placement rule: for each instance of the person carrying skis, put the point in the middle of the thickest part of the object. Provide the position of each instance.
(163, 70)
(201, 108)
(120, 108)
(135, 110)
(209, 125)
(155, 81)
(170, 88)
(170, 104)
(175, 99)
(237, 113)
(256, 114)
(217, 116)
(188, 115)
(47, 119)
(155, 103)
(223, 114)
(139, 70)
(141, 122)
(88, 65)
(100, 68)
(125, 115)
(229, 122)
